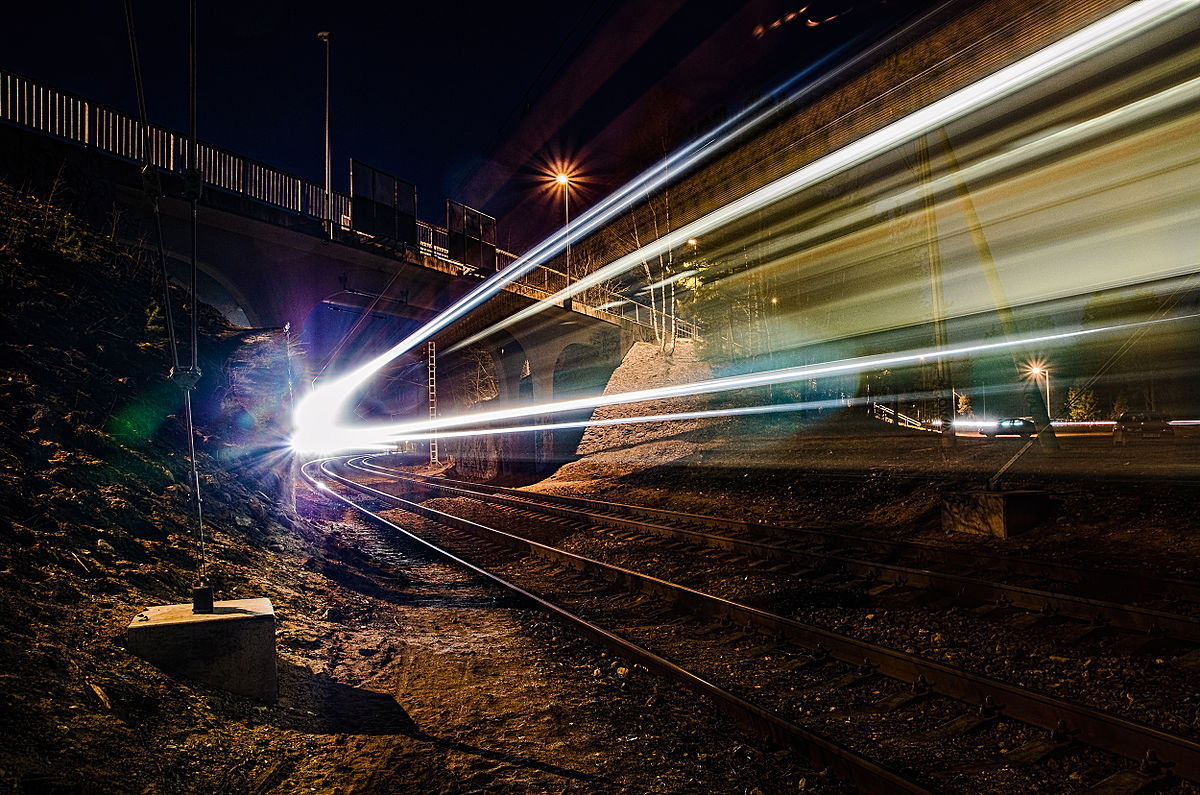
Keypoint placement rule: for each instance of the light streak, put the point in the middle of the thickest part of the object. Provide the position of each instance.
(329, 437)
(650, 180)
(667, 281)
(613, 304)
(1053, 144)
(679, 416)
(315, 418)
(737, 411)
(909, 201)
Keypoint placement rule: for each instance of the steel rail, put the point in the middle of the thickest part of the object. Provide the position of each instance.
(1094, 727)
(1099, 612)
(1095, 581)
(821, 752)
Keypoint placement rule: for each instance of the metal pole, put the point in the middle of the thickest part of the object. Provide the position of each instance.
(567, 214)
(325, 36)
(1047, 393)
(192, 164)
(202, 595)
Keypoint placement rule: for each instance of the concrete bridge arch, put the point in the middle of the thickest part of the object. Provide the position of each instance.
(274, 275)
(565, 365)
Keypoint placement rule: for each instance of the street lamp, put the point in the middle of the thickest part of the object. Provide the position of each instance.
(325, 36)
(562, 179)
(1039, 370)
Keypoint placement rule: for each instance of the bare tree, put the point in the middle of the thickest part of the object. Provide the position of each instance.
(480, 381)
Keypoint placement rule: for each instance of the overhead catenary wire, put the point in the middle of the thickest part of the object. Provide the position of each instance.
(366, 315)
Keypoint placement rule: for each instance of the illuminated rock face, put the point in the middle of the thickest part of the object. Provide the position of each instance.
(994, 513)
(231, 648)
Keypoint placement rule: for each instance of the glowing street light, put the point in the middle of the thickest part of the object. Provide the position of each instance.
(1037, 370)
(562, 179)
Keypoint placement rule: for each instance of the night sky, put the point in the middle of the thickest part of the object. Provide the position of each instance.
(467, 100)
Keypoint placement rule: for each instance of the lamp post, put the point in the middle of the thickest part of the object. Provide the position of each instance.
(562, 179)
(325, 36)
(694, 245)
(1037, 370)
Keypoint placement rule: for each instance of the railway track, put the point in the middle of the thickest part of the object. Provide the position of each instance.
(878, 558)
(823, 693)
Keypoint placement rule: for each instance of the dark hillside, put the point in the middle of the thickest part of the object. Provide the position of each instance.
(92, 428)
(96, 516)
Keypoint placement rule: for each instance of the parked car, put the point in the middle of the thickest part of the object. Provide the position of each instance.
(1142, 425)
(1010, 426)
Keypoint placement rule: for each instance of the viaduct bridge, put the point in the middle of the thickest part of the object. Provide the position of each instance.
(265, 251)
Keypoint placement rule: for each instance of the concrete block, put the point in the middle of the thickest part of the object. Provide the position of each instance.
(994, 513)
(231, 648)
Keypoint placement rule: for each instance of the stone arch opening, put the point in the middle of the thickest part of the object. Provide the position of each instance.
(214, 288)
(580, 370)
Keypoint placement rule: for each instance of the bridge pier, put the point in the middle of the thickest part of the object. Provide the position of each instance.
(552, 363)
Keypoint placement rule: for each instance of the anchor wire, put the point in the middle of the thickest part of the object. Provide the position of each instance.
(152, 186)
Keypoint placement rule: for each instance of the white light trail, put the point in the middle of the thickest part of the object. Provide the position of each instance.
(668, 281)
(679, 416)
(329, 438)
(612, 304)
(316, 416)
(678, 163)
(796, 233)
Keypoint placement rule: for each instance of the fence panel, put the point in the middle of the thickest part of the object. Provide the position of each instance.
(314, 200)
(162, 148)
(273, 187)
(221, 169)
(118, 134)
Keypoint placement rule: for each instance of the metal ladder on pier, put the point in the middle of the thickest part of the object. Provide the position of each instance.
(432, 370)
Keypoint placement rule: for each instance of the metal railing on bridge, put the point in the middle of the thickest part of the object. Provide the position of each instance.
(26, 103)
